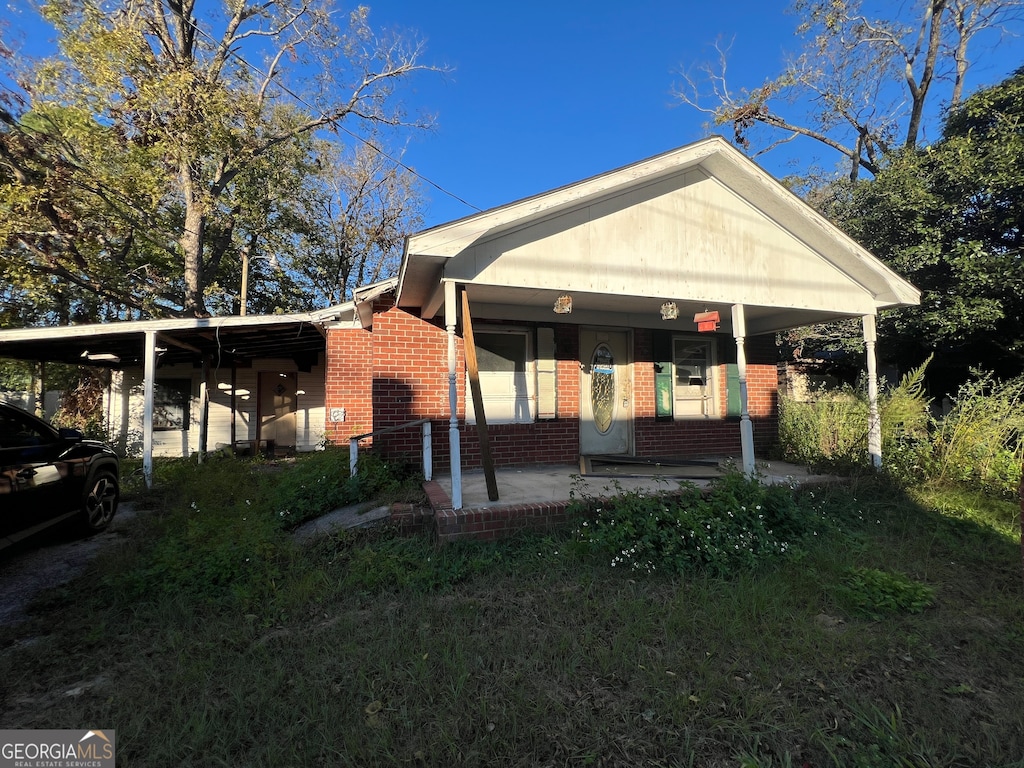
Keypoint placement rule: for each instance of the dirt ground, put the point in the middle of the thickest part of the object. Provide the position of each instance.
(50, 560)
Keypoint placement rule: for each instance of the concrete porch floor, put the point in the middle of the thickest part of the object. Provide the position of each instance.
(553, 483)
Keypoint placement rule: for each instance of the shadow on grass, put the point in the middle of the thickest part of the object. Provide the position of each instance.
(374, 649)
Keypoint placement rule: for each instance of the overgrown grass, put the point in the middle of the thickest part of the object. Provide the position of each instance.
(219, 534)
(978, 444)
(830, 433)
(371, 649)
(981, 442)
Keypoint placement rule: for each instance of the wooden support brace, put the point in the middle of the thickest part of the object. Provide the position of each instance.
(478, 400)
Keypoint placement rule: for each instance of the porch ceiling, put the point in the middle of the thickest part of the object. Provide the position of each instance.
(121, 345)
(536, 305)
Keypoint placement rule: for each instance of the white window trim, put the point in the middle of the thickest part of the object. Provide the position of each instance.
(711, 406)
(530, 372)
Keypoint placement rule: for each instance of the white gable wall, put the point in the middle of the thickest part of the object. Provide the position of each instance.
(687, 237)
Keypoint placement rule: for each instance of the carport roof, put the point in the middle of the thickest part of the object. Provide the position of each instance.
(121, 345)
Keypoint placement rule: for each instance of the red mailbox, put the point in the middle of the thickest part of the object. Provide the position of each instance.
(706, 321)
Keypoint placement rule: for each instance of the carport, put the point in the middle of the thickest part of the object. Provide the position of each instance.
(148, 344)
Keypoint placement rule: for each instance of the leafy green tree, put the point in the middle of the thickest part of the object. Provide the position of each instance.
(168, 138)
(950, 218)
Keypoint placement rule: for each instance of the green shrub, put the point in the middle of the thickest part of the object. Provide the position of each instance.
(738, 524)
(875, 594)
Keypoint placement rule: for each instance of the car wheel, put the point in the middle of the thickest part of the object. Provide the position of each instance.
(100, 502)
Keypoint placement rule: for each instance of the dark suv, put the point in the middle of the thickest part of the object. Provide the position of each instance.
(49, 476)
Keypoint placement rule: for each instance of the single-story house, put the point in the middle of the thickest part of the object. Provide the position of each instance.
(634, 312)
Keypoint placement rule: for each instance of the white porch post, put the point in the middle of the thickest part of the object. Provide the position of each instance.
(874, 419)
(149, 374)
(739, 330)
(454, 446)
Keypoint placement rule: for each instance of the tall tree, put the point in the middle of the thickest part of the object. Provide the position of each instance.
(861, 84)
(951, 218)
(370, 203)
(166, 139)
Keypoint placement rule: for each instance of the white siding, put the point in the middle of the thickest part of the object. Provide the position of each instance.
(124, 408)
(687, 236)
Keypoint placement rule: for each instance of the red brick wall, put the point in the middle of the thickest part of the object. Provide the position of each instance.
(399, 373)
(705, 437)
(500, 522)
(410, 381)
(349, 382)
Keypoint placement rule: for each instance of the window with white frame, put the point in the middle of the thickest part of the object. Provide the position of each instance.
(507, 376)
(695, 377)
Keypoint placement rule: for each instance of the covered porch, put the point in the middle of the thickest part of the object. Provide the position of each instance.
(649, 298)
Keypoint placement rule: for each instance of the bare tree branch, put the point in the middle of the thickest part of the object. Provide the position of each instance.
(860, 80)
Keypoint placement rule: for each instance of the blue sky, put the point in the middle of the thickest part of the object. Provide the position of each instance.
(542, 94)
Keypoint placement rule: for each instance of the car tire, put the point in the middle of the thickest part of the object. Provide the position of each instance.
(99, 502)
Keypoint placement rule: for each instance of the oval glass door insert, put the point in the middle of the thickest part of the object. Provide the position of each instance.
(602, 388)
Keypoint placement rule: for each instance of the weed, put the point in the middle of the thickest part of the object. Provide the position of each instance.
(981, 441)
(883, 739)
(218, 535)
(738, 524)
(320, 482)
(875, 594)
(830, 433)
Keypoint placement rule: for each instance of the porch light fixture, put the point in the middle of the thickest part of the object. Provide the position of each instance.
(563, 304)
(669, 311)
(100, 357)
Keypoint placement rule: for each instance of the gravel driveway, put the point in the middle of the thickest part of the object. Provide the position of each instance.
(51, 559)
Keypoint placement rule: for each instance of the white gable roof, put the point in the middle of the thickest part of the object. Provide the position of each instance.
(701, 225)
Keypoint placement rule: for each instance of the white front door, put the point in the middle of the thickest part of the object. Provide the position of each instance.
(606, 392)
(278, 403)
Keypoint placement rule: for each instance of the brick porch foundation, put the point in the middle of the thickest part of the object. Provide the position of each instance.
(490, 523)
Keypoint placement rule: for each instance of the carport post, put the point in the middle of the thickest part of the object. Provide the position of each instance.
(149, 371)
(739, 331)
